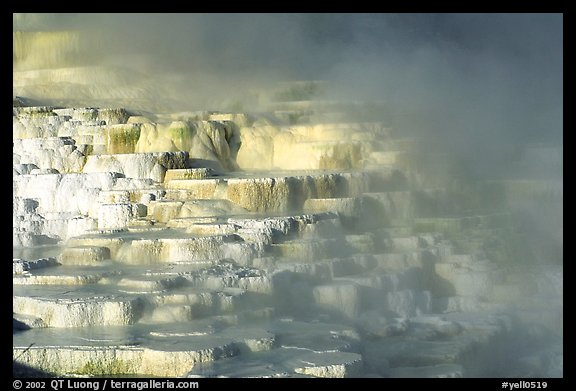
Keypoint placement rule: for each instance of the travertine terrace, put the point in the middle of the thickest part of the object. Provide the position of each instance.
(291, 242)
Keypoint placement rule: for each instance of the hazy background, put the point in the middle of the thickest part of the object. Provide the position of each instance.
(467, 79)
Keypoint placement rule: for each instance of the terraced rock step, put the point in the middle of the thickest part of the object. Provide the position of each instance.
(164, 352)
(232, 245)
(302, 350)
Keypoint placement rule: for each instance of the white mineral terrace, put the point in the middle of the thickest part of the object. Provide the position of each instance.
(228, 246)
(299, 239)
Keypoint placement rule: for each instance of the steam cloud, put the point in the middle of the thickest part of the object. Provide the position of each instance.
(468, 80)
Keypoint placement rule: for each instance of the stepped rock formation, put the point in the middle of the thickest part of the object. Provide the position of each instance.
(231, 244)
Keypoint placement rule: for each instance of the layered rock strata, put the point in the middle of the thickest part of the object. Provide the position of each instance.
(226, 245)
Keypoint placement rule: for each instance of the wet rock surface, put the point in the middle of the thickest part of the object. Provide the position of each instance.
(154, 248)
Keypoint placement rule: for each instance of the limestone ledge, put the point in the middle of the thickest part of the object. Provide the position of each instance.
(20, 266)
(170, 352)
(80, 312)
